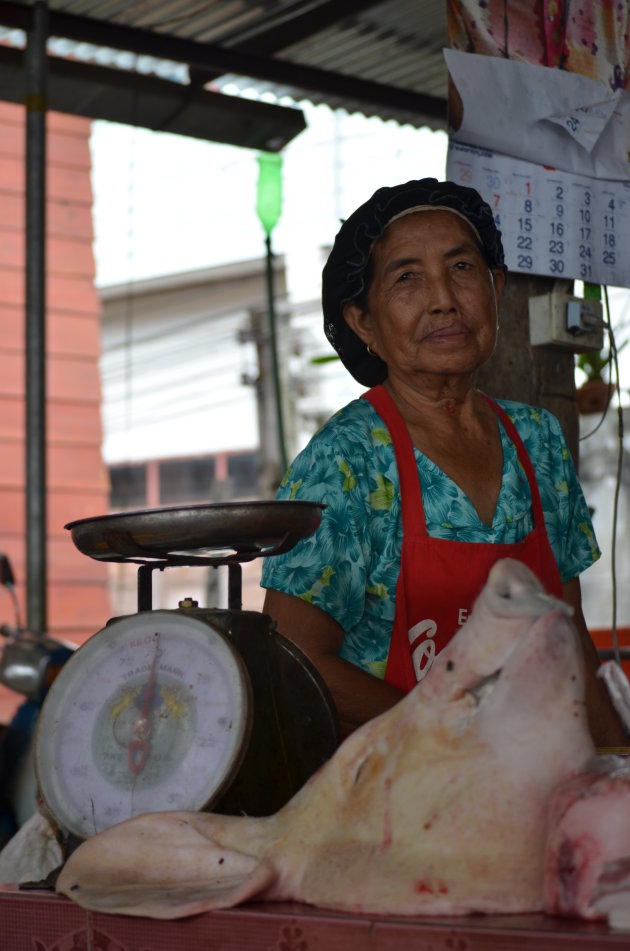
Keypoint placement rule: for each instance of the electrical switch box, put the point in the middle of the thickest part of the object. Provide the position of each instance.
(562, 320)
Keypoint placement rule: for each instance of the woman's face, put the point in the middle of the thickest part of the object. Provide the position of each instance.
(432, 305)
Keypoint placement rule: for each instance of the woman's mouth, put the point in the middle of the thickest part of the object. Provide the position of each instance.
(447, 333)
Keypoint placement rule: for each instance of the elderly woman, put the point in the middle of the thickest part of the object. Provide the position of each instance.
(427, 482)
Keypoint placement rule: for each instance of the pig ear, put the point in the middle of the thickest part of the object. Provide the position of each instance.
(173, 899)
(162, 865)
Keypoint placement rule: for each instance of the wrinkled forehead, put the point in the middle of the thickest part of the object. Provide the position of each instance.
(422, 208)
(462, 228)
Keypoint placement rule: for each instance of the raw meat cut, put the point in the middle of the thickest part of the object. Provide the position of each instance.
(587, 871)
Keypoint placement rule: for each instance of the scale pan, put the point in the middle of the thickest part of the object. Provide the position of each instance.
(247, 528)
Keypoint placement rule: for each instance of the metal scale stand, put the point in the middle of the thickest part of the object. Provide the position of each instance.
(192, 708)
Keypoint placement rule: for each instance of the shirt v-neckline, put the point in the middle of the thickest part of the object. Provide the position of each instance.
(507, 463)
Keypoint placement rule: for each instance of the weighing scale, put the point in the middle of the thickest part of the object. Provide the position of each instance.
(192, 708)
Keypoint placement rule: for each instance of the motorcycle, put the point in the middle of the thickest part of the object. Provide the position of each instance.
(28, 666)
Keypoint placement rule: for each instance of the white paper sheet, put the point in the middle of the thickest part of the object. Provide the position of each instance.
(542, 115)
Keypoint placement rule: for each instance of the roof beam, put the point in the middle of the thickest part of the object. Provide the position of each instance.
(286, 31)
(99, 92)
(204, 56)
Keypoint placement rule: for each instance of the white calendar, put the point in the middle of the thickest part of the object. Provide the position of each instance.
(552, 223)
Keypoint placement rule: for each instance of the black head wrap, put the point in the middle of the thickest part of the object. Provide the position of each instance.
(343, 277)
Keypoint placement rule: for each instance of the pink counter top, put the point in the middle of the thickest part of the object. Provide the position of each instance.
(42, 921)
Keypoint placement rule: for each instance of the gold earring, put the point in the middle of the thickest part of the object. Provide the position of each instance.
(370, 351)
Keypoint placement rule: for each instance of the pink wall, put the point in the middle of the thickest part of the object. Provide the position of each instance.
(78, 602)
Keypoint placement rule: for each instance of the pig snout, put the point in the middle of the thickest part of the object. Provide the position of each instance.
(515, 591)
(544, 670)
(502, 618)
(551, 642)
(557, 636)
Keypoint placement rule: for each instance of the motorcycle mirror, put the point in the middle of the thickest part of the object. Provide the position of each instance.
(6, 572)
(7, 580)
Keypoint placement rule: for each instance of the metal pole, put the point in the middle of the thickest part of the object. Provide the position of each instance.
(235, 586)
(35, 322)
(282, 452)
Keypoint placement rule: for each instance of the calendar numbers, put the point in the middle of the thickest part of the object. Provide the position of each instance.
(552, 222)
(583, 198)
(556, 243)
(609, 255)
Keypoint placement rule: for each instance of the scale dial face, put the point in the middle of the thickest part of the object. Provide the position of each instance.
(152, 713)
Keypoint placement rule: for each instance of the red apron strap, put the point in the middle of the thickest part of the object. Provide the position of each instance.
(410, 492)
(523, 458)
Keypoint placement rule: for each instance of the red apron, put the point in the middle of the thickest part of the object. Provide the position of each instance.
(432, 568)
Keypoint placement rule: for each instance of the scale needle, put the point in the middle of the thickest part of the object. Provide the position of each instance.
(140, 745)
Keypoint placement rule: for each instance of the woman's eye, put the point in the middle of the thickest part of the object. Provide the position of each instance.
(405, 276)
(462, 265)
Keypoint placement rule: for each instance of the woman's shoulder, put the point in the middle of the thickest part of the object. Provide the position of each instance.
(532, 421)
(357, 413)
(355, 423)
(543, 439)
(349, 441)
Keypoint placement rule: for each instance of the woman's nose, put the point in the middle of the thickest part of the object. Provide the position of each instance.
(440, 295)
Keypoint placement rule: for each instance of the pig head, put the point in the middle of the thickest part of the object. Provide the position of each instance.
(435, 807)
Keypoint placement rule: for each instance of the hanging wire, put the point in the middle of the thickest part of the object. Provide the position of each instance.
(611, 385)
(615, 361)
(128, 317)
(614, 383)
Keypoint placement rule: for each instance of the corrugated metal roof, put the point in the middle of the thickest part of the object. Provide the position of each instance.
(379, 58)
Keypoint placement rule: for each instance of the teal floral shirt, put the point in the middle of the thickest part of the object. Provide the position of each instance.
(349, 567)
